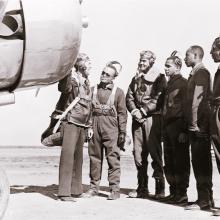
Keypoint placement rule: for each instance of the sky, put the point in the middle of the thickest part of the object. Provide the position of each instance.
(119, 30)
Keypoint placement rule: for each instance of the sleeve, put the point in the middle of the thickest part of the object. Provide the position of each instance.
(130, 100)
(90, 118)
(157, 95)
(200, 93)
(65, 84)
(183, 90)
(121, 111)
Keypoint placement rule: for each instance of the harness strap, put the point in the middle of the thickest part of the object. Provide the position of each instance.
(111, 98)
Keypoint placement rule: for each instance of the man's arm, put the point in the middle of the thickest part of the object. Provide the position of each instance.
(64, 84)
(200, 93)
(157, 94)
(121, 111)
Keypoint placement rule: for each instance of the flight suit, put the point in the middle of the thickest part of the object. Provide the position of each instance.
(109, 120)
(176, 154)
(215, 119)
(77, 119)
(144, 93)
(198, 111)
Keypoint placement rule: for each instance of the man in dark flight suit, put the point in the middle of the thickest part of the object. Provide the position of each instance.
(176, 144)
(198, 108)
(215, 119)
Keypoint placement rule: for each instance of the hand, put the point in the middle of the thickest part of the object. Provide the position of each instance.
(121, 141)
(89, 133)
(57, 117)
(183, 138)
(137, 115)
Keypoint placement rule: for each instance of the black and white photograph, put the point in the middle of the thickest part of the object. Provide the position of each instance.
(109, 109)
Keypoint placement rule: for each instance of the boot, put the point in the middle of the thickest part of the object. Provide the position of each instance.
(114, 195)
(159, 188)
(89, 194)
(171, 196)
(142, 189)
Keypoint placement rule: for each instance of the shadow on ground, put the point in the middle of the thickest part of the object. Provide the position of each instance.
(51, 190)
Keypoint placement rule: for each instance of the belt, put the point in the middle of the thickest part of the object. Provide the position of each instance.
(103, 113)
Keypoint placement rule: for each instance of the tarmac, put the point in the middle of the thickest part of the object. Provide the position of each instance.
(33, 176)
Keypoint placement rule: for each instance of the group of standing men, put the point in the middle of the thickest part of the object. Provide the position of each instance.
(176, 112)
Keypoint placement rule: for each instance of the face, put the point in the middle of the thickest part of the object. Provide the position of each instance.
(170, 68)
(215, 52)
(85, 69)
(143, 65)
(190, 58)
(107, 75)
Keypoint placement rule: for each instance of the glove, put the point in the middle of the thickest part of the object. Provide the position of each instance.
(88, 134)
(183, 138)
(121, 141)
(138, 115)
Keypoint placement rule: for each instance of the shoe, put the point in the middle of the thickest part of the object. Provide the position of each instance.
(138, 194)
(159, 196)
(159, 188)
(167, 198)
(212, 203)
(66, 199)
(181, 199)
(192, 207)
(76, 195)
(216, 212)
(114, 195)
(89, 194)
(197, 207)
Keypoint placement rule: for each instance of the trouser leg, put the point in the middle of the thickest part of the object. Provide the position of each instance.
(202, 166)
(70, 139)
(113, 159)
(77, 187)
(215, 134)
(180, 157)
(169, 168)
(96, 159)
(216, 143)
(140, 155)
(182, 168)
(155, 148)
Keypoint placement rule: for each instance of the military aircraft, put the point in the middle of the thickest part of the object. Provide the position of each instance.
(39, 42)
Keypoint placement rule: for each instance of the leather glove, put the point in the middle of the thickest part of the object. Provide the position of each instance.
(121, 141)
(183, 138)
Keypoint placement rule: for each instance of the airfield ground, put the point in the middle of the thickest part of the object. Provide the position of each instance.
(33, 176)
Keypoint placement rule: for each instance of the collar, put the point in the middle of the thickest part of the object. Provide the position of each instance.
(196, 67)
(173, 79)
(151, 75)
(177, 76)
(108, 86)
(77, 76)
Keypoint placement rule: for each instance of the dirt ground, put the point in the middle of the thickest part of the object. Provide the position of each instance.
(33, 175)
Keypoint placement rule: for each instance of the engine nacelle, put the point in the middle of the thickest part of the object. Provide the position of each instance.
(39, 41)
